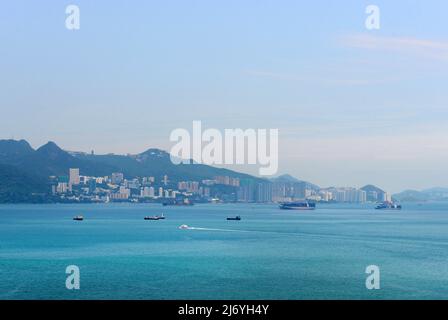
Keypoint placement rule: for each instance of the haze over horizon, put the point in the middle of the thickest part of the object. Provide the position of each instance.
(352, 106)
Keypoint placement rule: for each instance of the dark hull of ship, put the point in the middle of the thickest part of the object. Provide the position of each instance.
(298, 206)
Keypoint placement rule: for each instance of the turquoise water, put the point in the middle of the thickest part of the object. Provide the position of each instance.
(270, 254)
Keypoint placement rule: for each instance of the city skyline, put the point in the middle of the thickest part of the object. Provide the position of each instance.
(285, 189)
(352, 105)
(241, 169)
(51, 174)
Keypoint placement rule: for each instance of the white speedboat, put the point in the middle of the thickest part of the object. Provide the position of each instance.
(184, 226)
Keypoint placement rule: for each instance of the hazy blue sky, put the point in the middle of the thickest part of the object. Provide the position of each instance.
(353, 106)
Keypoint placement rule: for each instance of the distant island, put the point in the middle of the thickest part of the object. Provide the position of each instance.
(432, 194)
(50, 174)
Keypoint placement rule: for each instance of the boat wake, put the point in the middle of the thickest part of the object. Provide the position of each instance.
(216, 229)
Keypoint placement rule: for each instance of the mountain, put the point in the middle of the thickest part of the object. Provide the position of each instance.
(436, 190)
(12, 150)
(411, 196)
(51, 160)
(373, 193)
(17, 186)
(156, 162)
(371, 188)
(286, 178)
(432, 194)
(25, 171)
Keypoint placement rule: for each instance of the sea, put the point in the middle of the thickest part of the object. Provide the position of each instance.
(269, 254)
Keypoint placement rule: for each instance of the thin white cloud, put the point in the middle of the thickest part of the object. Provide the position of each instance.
(407, 45)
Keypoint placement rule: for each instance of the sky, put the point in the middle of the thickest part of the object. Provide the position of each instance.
(353, 106)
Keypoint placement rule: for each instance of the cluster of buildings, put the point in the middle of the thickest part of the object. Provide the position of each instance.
(117, 187)
(350, 195)
(293, 191)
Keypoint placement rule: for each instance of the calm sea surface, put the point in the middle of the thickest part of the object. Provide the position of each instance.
(270, 254)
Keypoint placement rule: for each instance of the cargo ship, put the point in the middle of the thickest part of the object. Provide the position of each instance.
(305, 205)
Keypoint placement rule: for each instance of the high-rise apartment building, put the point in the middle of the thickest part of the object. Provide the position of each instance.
(74, 176)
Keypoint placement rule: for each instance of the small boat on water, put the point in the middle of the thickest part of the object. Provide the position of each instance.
(78, 218)
(184, 226)
(388, 206)
(237, 218)
(162, 217)
(185, 202)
